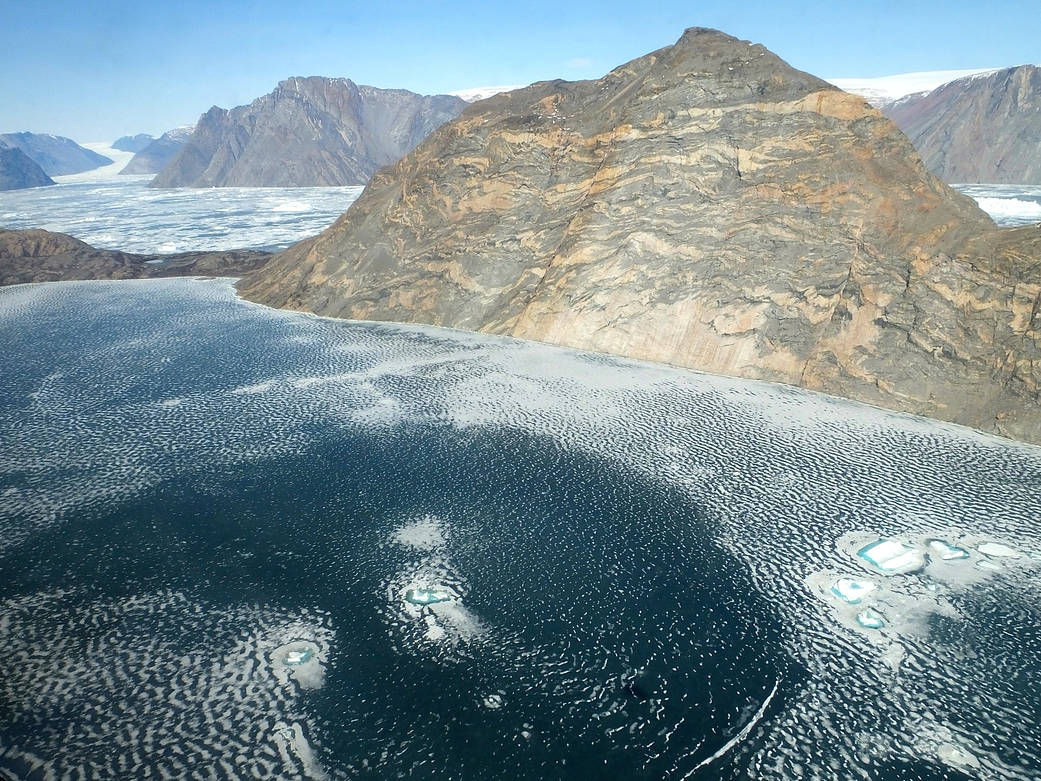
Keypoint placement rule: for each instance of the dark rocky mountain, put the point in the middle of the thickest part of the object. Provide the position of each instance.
(43, 256)
(709, 206)
(56, 155)
(18, 172)
(159, 153)
(309, 131)
(132, 143)
(981, 129)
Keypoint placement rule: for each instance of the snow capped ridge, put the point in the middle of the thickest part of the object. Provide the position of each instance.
(473, 94)
(882, 90)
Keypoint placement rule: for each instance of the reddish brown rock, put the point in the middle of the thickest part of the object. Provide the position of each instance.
(709, 206)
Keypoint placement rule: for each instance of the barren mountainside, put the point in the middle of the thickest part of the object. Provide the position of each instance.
(18, 172)
(156, 155)
(709, 206)
(43, 256)
(982, 129)
(309, 131)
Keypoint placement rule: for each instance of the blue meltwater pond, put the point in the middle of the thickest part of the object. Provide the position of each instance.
(245, 543)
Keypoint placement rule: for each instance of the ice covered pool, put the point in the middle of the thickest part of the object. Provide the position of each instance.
(243, 543)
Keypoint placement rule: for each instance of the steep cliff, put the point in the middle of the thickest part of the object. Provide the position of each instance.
(309, 131)
(984, 129)
(706, 205)
(56, 155)
(18, 172)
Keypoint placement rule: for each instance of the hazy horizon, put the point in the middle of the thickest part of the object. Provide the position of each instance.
(127, 68)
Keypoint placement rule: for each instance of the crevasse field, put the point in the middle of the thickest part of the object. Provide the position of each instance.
(246, 543)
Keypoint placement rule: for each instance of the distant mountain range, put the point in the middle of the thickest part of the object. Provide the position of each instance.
(56, 155)
(159, 152)
(132, 143)
(307, 132)
(880, 91)
(19, 172)
(473, 94)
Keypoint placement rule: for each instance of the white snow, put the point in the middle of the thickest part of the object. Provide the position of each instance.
(118, 157)
(1012, 208)
(946, 551)
(882, 90)
(292, 206)
(892, 556)
(998, 550)
(852, 590)
(472, 94)
(871, 619)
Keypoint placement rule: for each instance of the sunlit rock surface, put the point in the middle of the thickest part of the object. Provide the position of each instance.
(709, 206)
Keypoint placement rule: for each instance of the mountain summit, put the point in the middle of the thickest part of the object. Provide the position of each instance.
(308, 131)
(706, 205)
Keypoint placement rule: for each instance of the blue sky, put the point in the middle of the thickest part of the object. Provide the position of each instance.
(97, 70)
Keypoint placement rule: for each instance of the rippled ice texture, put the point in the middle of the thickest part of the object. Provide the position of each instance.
(211, 514)
(123, 213)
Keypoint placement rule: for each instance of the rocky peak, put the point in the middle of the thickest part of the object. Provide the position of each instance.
(307, 131)
(705, 205)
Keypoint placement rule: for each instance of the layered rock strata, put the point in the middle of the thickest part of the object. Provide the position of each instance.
(708, 206)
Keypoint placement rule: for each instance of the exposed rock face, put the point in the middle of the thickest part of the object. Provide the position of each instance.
(982, 129)
(43, 256)
(56, 155)
(309, 131)
(159, 153)
(708, 206)
(132, 143)
(17, 171)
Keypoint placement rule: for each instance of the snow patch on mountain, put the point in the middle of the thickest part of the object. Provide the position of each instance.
(473, 94)
(882, 90)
